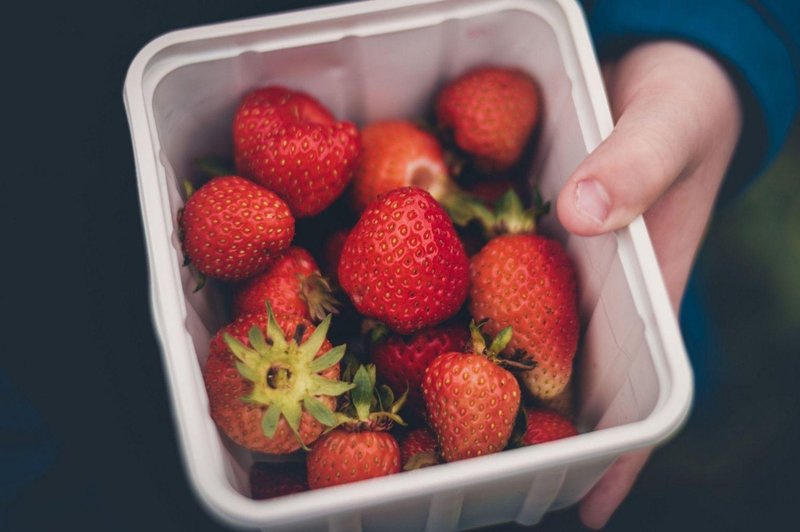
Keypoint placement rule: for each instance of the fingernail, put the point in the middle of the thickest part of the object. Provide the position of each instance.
(592, 200)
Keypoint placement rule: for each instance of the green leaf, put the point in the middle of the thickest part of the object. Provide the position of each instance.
(319, 411)
(398, 404)
(188, 188)
(385, 397)
(247, 372)
(333, 356)
(269, 423)
(257, 340)
(500, 341)
(292, 412)
(323, 386)
(361, 395)
(239, 350)
(476, 337)
(309, 349)
(274, 331)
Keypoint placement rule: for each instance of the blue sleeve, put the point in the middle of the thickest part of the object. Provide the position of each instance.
(757, 40)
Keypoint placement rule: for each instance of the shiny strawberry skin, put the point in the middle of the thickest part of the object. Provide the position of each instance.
(403, 263)
(270, 480)
(471, 403)
(491, 111)
(232, 229)
(396, 154)
(528, 282)
(240, 420)
(290, 143)
(280, 284)
(545, 425)
(401, 362)
(342, 456)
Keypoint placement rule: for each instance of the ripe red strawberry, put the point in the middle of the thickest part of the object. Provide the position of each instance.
(397, 154)
(361, 446)
(273, 393)
(292, 284)
(545, 425)
(528, 282)
(471, 401)
(290, 143)
(270, 480)
(401, 361)
(232, 228)
(403, 263)
(342, 456)
(418, 448)
(491, 111)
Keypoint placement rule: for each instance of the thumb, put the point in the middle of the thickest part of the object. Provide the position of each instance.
(630, 170)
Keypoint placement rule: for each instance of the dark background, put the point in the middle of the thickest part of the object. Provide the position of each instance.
(80, 346)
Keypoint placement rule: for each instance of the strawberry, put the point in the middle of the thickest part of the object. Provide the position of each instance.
(418, 448)
(472, 401)
(563, 402)
(528, 282)
(544, 425)
(395, 154)
(270, 480)
(403, 263)
(292, 285)
(401, 361)
(268, 393)
(491, 112)
(342, 456)
(232, 229)
(290, 143)
(360, 447)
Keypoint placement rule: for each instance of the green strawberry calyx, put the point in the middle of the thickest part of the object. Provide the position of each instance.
(286, 374)
(367, 406)
(509, 215)
(495, 348)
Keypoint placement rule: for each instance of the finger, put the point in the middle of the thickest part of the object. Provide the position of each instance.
(605, 497)
(649, 148)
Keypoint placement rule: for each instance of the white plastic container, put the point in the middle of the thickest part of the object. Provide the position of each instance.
(377, 60)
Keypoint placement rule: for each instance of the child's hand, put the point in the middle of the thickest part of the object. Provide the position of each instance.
(677, 123)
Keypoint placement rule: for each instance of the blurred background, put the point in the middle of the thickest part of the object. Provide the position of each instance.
(80, 347)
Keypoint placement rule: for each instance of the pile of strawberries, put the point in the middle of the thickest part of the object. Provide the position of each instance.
(457, 324)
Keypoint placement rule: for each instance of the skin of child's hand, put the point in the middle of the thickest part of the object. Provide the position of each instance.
(677, 123)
